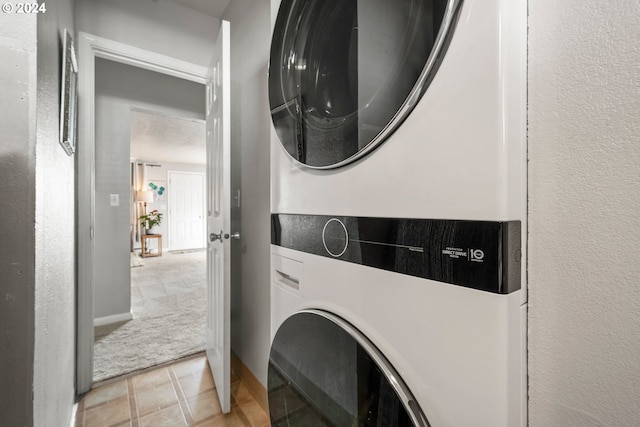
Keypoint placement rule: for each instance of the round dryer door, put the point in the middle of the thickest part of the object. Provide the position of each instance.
(344, 74)
(324, 372)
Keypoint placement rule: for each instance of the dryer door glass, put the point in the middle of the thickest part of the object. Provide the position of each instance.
(324, 372)
(344, 74)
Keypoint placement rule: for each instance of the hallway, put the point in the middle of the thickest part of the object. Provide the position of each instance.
(177, 395)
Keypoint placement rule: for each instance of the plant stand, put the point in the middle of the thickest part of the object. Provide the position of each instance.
(144, 245)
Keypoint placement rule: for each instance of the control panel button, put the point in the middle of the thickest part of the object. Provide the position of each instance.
(335, 237)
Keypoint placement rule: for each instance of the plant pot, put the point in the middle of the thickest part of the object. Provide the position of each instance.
(152, 230)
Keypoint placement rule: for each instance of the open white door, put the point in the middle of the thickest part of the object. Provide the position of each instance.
(218, 218)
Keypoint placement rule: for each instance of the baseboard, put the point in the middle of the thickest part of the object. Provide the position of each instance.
(115, 318)
(255, 387)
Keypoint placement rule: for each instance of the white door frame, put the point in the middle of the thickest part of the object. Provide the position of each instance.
(91, 47)
(204, 204)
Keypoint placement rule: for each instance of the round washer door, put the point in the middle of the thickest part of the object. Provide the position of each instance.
(344, 74)
(324, 372)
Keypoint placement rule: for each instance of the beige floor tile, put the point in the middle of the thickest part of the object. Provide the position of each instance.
(204, 405)
(151, 379)
(153, 398)
(113, 412)
(105, 393)
(191, 366)
(232, 419)
(241, 393)
(196, 383)
(167, 417)
(255, 414)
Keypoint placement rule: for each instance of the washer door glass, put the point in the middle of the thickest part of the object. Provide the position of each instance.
(324, 372)
(344, 74)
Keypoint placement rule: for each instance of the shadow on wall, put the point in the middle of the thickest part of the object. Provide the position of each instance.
(17, 281)
(238, 247)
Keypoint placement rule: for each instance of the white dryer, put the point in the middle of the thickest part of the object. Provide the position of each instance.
(398, 213)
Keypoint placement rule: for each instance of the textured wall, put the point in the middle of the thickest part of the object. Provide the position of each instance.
(119, 88)
(17, 216)
(584, 200)
(162, 26)
(250, 38)
(54, 360)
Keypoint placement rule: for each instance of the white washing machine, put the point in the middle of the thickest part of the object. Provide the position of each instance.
(398, 200)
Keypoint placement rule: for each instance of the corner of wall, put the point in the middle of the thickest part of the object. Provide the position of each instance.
(17, 251)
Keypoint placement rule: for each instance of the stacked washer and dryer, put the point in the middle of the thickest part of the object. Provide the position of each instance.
(398, 200)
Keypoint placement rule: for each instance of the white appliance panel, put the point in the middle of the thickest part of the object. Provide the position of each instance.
(449, 344)
(459, 154)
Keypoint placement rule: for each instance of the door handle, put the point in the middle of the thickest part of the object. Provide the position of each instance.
(213, 236)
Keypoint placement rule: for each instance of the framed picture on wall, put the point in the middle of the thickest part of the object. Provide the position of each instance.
(159, 189)
(69, 96)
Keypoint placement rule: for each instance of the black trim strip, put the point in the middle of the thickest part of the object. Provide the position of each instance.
(483, 255)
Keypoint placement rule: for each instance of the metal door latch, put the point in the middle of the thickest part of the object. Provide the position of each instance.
(213, 237)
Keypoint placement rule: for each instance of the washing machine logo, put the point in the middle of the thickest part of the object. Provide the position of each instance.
(455, 252)
(476, 255)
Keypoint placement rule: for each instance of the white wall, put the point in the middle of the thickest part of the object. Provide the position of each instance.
(250, 39)
(17, 216)
(119, 88)
(163, 27)
(584, 200)
(54, 356)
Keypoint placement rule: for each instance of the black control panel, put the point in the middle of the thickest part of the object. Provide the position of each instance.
(483, 255)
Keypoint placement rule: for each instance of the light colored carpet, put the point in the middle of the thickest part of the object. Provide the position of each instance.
(168, 300)
(136, 260)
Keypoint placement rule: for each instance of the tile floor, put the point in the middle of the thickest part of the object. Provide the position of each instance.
(176, 395)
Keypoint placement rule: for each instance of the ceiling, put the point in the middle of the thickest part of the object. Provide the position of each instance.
(156, 137)
(210, 7)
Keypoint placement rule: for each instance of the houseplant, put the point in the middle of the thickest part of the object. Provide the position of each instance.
(151, 222)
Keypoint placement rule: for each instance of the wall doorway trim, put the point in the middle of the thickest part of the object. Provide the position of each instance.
(91, 47)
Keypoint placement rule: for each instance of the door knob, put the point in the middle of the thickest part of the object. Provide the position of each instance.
(213, 237)
(234, 236)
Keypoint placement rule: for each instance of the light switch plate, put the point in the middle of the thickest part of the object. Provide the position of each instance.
(115, 200)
